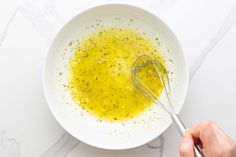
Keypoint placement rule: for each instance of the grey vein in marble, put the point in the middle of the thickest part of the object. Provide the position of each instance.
(3, 34)
(64, 145)
(157, 144)
(9, 147)
(228, 23)
(43, 16)
(41, 13)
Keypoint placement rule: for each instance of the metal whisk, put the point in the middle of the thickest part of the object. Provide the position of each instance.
(143, 88)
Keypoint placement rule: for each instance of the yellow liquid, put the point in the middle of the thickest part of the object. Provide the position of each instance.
(100, 73)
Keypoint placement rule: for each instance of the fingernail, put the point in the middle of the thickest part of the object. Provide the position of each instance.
(187, 130)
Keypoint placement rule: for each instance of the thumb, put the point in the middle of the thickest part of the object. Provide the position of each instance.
(187, 146)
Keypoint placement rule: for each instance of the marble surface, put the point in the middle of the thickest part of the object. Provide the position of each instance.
(205, 29)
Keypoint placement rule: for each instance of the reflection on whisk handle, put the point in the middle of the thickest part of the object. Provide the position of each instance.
(182, 129)
(179, 124)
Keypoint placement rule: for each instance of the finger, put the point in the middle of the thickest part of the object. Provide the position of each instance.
(205, 132)
(187, 146)
(221, 133)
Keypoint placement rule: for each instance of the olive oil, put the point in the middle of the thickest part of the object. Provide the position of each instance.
(100, 73)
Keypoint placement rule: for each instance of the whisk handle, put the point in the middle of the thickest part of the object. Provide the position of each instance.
(182, 129)
(179, 124)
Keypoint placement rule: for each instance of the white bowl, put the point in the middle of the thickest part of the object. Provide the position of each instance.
(85, 127)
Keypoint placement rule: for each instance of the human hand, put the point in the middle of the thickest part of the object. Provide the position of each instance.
(215, 143)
